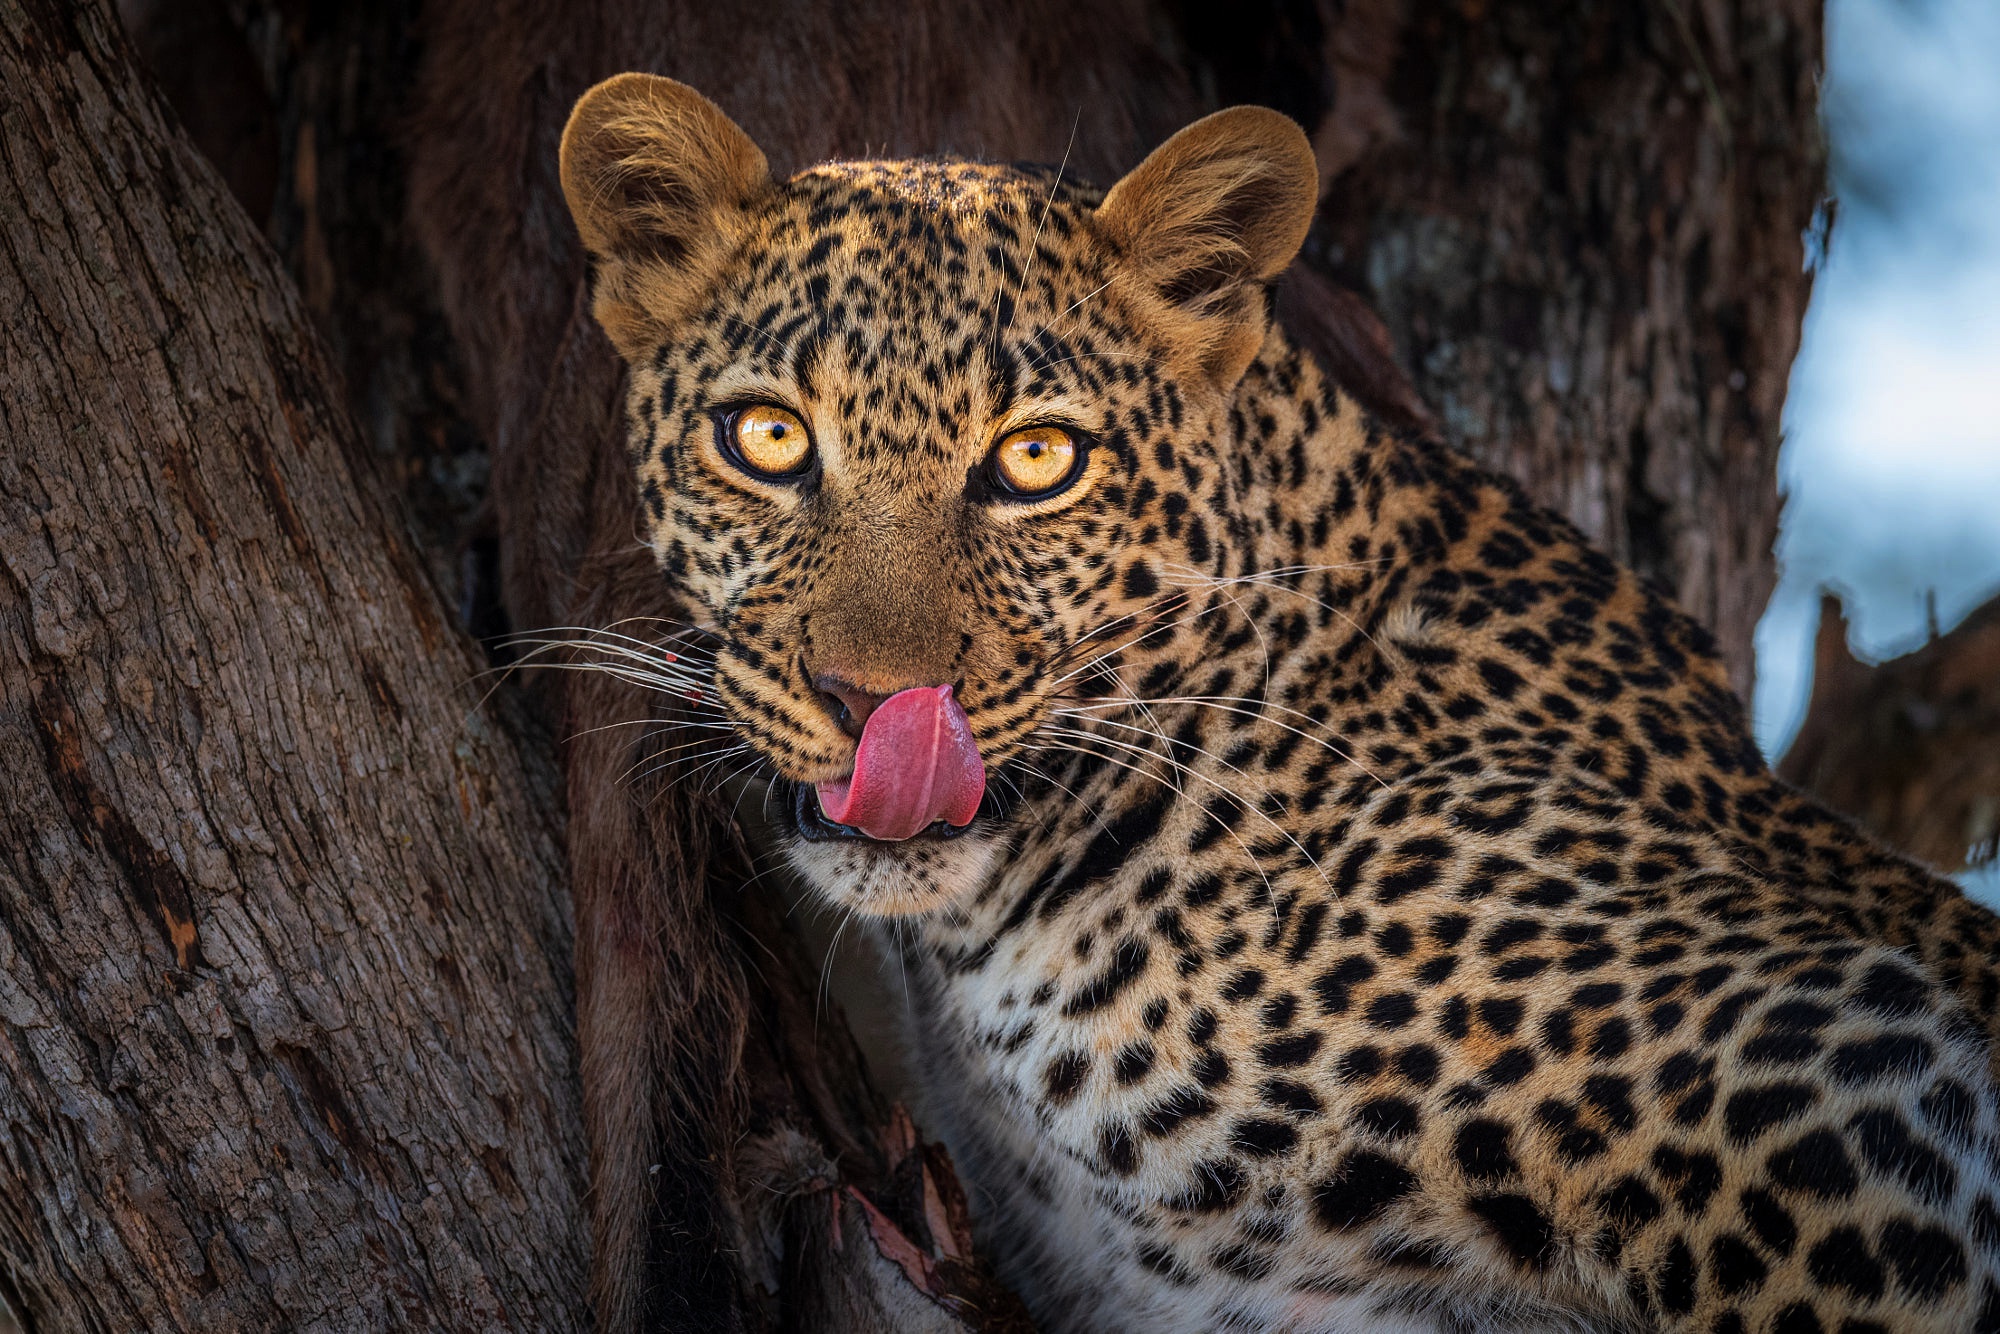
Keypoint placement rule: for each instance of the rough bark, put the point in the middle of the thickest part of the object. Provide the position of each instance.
(1910, 747)
(284, 949)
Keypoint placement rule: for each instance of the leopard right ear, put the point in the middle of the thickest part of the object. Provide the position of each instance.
(658, 180)
(1207, 221)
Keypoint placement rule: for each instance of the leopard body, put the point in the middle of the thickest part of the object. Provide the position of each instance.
(1380, 917)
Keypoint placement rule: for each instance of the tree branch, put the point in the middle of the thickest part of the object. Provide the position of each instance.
(1910, 748)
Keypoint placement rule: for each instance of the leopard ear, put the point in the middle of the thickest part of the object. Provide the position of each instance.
(1208, 220)
(658, 180)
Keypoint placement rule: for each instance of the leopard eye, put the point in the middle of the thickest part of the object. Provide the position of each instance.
(768, 440)
(1036, 461)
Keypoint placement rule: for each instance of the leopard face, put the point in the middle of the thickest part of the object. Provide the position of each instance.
(996, 395)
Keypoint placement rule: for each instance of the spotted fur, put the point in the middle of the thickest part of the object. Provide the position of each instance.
(1381, 918)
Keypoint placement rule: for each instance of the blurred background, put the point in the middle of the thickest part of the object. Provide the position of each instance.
(1891, 462)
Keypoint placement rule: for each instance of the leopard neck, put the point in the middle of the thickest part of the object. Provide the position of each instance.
(1325, 516)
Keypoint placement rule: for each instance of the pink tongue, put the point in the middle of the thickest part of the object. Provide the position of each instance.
(917, 764)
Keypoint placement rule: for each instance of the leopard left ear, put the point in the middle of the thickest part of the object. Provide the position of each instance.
(1208, 220)
(657, 178)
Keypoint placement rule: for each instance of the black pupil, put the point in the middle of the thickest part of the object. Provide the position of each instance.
(1035, 448)
(777, 430)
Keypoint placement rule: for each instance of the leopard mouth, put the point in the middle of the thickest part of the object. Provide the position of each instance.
(810, 821)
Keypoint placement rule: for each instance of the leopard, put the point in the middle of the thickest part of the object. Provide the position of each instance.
(1331, 894)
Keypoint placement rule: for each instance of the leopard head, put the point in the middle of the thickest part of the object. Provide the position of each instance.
(905, 426)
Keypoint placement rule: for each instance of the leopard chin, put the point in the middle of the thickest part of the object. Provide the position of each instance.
(929, 873)
(917, 877)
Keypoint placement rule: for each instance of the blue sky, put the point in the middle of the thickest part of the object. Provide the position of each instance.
(1891, 462)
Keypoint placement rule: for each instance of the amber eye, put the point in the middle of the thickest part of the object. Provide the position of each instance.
(769, 440)
(1035, 461)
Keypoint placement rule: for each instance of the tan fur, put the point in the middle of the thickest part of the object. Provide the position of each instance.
(1210, 216)
(653, 170)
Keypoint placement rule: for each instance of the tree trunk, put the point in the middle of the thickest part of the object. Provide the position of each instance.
(284, 953)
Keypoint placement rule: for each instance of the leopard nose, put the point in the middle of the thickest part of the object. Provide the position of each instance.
(849, 704)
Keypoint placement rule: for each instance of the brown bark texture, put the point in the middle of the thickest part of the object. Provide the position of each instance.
(1909, 747)
(284, 954)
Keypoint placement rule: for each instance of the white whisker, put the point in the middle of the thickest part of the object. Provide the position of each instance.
(1066, 310)
(1194, 773)
(1072, 748)
(1034, 243)
(1223, 704)
(1263, 579)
